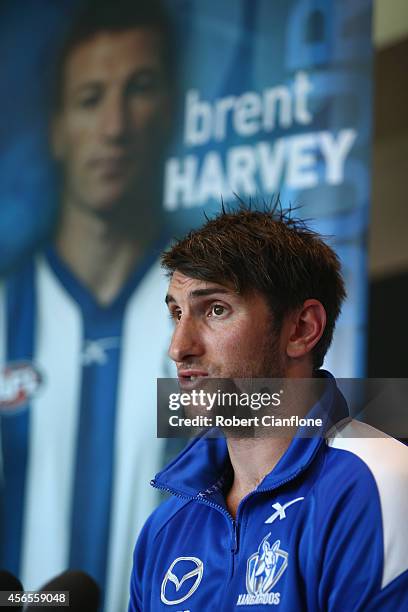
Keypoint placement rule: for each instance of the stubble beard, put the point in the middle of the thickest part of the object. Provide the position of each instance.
(263, 373)
(268, 362)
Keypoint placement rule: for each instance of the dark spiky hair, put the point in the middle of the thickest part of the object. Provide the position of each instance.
(269, 251)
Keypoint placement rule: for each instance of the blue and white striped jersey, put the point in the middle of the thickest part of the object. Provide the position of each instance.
(78, 424)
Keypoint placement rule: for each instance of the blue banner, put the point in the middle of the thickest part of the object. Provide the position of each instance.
(273, 98)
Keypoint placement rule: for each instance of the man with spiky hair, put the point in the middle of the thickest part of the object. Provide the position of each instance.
(78, 441)
(300, 521)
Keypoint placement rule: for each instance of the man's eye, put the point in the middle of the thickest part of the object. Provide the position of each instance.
(89, 101)
(217, 310)
(145, 84)
(175, 315)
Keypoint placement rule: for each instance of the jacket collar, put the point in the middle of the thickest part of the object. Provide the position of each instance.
(200, 467)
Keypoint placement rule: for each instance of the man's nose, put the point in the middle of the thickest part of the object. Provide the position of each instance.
(186, 342)
(114, 118)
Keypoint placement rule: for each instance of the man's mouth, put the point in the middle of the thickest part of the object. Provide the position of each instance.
(190, 378)
(110, 164)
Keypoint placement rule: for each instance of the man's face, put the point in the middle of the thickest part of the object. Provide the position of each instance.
(110, 130)
(221, 334)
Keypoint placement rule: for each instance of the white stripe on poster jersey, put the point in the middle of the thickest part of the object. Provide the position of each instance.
(387, 460)
(51, 459)
(138, 452)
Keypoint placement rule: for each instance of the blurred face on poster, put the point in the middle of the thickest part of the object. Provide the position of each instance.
(113, 121)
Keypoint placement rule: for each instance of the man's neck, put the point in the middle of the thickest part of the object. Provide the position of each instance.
(251, 461)
(99, 255)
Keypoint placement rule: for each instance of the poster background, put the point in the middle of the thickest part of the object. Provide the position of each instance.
(225, 48)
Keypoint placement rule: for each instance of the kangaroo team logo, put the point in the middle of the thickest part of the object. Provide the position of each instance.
(19, 382)
(265, 567)
(183, 570)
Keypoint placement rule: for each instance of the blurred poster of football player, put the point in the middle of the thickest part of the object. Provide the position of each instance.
(83, 340)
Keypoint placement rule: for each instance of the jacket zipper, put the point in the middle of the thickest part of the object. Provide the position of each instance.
(200, 499)
(234, 523)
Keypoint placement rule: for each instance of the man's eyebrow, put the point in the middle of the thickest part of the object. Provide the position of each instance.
(196, 293)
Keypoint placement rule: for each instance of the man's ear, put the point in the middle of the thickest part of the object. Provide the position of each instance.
(307, 325)
(57, 139)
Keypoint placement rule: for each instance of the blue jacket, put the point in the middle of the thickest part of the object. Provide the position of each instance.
(325, 530)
